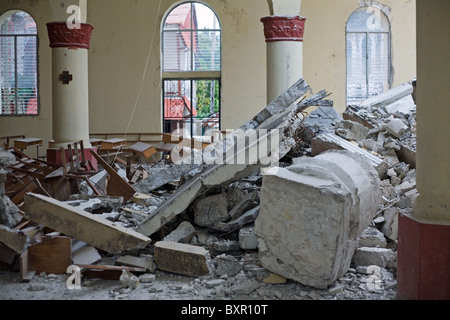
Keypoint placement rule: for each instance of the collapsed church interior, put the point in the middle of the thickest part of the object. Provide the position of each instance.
(224, 150)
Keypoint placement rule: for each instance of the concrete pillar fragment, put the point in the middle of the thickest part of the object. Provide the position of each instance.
(312, 214)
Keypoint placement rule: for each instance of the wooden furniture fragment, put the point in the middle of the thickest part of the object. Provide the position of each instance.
(25, 143)
(116, 186)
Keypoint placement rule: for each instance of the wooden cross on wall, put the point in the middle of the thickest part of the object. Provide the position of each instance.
(65, 77)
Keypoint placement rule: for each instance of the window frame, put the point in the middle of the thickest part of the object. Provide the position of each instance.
(191, 75)
(15, 37)
(367, 60)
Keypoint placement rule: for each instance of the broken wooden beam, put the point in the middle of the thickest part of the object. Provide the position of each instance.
(79, 224)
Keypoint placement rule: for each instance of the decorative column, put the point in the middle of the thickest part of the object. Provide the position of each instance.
(284, 38)
(70, 87)
(423, 260)
(70, 82)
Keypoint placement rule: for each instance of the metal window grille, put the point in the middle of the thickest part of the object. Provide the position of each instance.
(192, 63)
(18, 65)
(368, 55)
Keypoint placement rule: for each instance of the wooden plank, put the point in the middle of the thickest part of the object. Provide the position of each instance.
(84, 226)
(107, 272)
(117, 186)
(53, 255)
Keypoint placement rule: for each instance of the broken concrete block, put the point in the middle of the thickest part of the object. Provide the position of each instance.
(351, 130)
(370, 144)
(247, 238)
(390, 225)
(382, 257)
(13, 239)
(138, 262)
(183, 233)
(319, 121)
(245, 288)
(210, 210)
(161, 175)
(84, 226)
(244, 205)
(184, 259)
(226, 245)
(372, 237)
(238, 223)
(227, 265)
(312, 214)
(395, 126)
(129, 280)
(147, 278)
(9, 213)
(7, 159)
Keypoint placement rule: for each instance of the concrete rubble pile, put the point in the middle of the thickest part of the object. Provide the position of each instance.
(322, 222)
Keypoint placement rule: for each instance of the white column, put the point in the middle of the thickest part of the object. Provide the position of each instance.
(284, 38)
(70, 82)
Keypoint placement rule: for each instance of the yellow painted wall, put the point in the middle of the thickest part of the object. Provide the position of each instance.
(120, 44)
(123, 33)
(324, 43)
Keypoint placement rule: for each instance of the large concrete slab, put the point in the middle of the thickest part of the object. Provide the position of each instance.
(312, 214)
(79, 224)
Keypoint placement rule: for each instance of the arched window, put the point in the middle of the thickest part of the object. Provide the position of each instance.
(18, 64)
(368, 54)
(191, 54)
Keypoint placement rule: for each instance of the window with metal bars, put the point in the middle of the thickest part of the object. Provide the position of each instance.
(191, 47)
(18, 64)
(368, 54)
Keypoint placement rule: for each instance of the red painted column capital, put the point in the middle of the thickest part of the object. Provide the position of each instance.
(62, 37)
(284, 28)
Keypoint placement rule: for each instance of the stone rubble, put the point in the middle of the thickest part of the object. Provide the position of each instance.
(223, 220)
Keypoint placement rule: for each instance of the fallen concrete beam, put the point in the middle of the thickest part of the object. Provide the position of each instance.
(328, 141)
(276, 115)
(82, 225)
(388, 97)
(184, 259)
